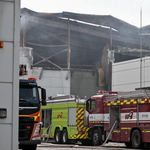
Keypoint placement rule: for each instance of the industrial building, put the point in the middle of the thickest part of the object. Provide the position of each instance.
(80, 45)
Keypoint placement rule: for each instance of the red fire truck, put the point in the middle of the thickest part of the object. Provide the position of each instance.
(120, 117)
(29, 113)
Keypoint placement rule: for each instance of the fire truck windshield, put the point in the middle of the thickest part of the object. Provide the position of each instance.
(28, 96)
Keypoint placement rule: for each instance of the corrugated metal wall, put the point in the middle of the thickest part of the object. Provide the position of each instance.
(84, 84)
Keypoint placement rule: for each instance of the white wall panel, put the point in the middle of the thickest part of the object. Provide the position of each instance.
(6, 135)
(6, 101)
(126, 75)
(147, 73)
(6, 58)
(126, 87)
(147, 61)
(54, 82)
(45, 81)
(6, 21)
(122, 66)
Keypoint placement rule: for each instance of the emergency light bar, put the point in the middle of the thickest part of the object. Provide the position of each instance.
(31, 78)
(101, 92)
(107, 92)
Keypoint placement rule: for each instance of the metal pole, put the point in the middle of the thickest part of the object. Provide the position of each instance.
(141, 48)
(69, 51)
(110, 38)
(110, 63)
(24, 30)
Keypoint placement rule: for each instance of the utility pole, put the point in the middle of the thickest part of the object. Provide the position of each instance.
(69, 51)
(110, 63)
(141, 48)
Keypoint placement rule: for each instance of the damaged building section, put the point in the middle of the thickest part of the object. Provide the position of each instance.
(79, 44)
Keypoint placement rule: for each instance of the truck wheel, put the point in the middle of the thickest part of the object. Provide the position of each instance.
(58, 136)
(136, 139)
(95, 138)
(29, 147)
(64, 136)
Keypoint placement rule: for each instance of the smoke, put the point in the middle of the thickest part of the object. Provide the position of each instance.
(48, 35)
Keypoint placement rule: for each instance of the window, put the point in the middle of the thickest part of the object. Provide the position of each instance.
(28, 94)
(92, 105)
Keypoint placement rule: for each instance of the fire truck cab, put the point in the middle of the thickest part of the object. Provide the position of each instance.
(29, 113)
(120, 117)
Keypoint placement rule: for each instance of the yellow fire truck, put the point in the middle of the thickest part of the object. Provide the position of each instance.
(66, 117)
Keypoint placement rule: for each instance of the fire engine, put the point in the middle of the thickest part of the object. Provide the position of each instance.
(108, 116)
(64, 116)
(29, 113)
(120, 117)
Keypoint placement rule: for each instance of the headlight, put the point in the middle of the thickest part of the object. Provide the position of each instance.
(37, 138)
(37, 129)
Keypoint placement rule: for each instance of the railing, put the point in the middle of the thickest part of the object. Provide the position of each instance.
(129, 95)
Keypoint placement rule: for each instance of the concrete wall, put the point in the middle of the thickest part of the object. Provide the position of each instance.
(54, 81)
(85, 84)
(9, 62)
(126, 75)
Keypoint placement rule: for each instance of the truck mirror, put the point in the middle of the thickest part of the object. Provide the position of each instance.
(43, 94)
(44, 102)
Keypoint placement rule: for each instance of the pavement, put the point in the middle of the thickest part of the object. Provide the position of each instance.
(108, 146)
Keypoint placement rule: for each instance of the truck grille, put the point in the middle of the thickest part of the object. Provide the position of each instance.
(25, 131)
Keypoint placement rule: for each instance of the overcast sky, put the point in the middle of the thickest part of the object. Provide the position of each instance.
(126, 10)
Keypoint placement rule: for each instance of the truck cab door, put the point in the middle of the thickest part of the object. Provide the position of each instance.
(95, 109)
(90, 105)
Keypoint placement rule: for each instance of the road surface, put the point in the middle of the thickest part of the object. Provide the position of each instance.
(108, 146)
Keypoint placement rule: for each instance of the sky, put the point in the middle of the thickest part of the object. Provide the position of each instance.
(126, 10)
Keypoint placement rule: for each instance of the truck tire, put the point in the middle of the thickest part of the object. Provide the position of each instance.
(100, 136)
(136, 139)
(95, 137)
(29, 147)
(57, 136)
(65, 136)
